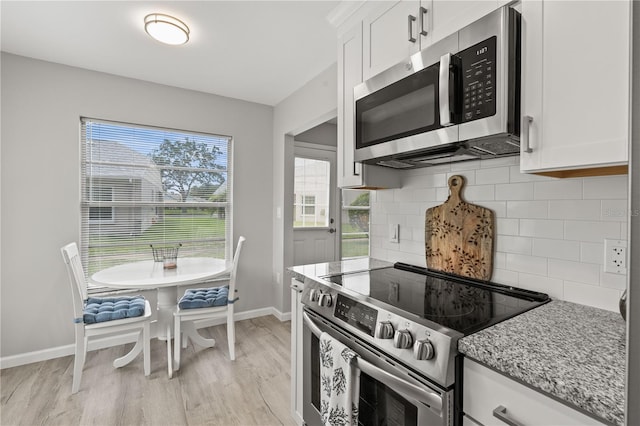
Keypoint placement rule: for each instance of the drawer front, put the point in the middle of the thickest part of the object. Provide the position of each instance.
(485, 390)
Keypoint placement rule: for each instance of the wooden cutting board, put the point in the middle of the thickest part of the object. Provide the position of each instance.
(459, 235)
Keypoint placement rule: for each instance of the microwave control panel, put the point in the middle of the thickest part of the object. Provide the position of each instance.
(478, 67)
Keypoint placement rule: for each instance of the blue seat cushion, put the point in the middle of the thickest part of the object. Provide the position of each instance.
(112, 308)
(204, 298)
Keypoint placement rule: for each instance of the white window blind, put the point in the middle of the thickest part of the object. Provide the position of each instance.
(146, 185)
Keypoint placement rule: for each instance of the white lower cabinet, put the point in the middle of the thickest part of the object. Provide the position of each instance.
(486, 392)
(296, 350)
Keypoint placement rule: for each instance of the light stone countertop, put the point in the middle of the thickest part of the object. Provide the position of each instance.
(572, 352)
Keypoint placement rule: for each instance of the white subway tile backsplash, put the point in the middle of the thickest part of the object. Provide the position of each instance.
(559, 189)
(556, 249)
(424, 194)
(476, 193)
(551, 286)
(492, 175)
(469, 177)
(591, 231)
(608, 187)
(574, 209)
(519, 245)
(515, 191)
(442, 194)
(574, 271)
(542, 228)
(528, 209)
(615, 210)
(526, 264)
(507, 226)
(499, 208)
(549, 233)
(592, 253)
(615, 281)
(385, 195)
(599, 297)
(504, 276)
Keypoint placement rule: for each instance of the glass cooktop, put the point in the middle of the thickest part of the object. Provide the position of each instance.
(462, 304)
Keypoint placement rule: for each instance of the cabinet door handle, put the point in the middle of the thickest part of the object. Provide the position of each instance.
(411, 20)
(526, 122)
(423, 16)
(500, 412)
(356, 168)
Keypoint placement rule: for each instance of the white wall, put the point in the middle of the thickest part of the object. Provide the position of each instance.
(311, 105)
(549, 232)
(41, 106)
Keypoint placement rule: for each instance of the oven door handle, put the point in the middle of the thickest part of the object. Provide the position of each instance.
(431, 399)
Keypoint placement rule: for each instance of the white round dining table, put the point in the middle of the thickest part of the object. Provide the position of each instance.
(147, 274)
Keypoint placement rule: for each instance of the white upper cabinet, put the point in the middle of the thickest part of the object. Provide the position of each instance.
(450, 16)
(576, 82)
(350, 173)
(393, 31)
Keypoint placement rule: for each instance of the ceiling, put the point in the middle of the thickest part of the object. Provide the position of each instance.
(259, 51)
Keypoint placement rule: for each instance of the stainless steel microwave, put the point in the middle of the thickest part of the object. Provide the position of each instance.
(458, 99)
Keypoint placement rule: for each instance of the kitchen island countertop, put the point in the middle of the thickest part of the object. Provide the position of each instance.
(572, 352)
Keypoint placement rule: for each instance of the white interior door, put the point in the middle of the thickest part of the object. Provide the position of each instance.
(315, 218)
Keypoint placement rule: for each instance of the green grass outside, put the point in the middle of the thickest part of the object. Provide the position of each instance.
(106, 251)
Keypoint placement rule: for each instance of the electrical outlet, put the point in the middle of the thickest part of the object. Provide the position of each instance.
(394, 231)
(615, 256)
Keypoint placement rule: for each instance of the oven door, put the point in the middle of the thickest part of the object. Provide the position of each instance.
(389, 394)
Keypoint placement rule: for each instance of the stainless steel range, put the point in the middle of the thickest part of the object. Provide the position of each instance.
(404, 322)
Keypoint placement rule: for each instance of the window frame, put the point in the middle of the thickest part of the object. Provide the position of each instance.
(157, 199)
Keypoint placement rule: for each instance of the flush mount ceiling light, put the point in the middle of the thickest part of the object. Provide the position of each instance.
(166, 29)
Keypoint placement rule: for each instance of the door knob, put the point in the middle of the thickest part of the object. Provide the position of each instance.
(332, 230)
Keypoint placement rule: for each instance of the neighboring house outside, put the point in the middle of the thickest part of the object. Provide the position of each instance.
(311, 193)
(121, 175)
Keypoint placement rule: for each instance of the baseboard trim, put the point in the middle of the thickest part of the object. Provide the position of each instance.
(106, 342)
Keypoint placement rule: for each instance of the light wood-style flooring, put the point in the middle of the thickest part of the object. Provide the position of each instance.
(208, 389)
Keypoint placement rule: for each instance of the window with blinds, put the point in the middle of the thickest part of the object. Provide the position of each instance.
(144, 186)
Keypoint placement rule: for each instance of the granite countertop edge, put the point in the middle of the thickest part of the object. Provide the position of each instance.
(572, 352)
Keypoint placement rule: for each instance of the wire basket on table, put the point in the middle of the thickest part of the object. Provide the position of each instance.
(168, 255)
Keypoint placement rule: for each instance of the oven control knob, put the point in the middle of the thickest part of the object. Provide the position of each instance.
(384, 330)
(402, 339)
(313, 294)
(325, 300)
(423, 350)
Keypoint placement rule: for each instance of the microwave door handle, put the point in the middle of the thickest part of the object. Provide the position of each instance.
(431, 399)
(445, 108)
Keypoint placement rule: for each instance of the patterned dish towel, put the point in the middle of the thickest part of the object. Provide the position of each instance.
(340, 383)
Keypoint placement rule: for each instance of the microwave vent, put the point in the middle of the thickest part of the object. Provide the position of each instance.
(395, 164)
(495, 147)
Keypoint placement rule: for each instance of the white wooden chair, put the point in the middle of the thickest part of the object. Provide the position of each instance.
(189, 315)
(84, 331)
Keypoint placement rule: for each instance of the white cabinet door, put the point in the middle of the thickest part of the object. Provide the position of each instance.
(575, 72)
(296, 350)
(450, 16)
(392, 33)
(485, 390)
(349, 75)
(350, 173)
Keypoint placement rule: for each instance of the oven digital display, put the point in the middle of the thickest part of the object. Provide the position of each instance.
(360, 316)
